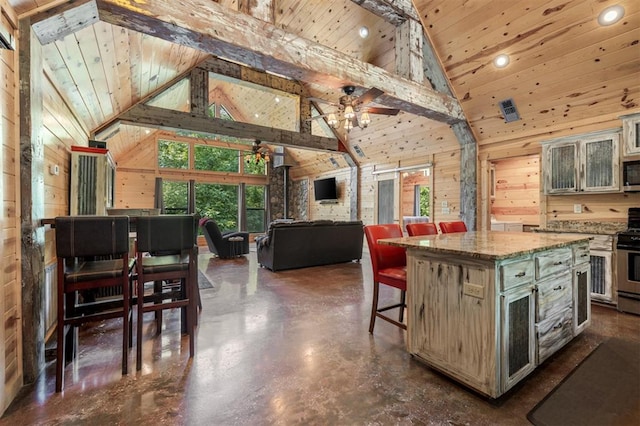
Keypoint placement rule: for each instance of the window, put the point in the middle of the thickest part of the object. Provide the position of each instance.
(216, 159)
(219, 202)
(174, 197)
(256, 213)
(421, 202)
(173, 155)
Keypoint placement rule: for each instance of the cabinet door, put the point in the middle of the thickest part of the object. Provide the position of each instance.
(601, 163)
(600, 275)
(631, 134)
(581, 298)
(561, 171)
(518, 335)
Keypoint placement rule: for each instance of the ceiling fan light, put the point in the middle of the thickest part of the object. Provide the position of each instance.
(348, 125)
(348, 112)
(332, 120)
(365, 119)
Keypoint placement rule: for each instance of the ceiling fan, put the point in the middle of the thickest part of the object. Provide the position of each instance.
(349, 106)
(260, 153)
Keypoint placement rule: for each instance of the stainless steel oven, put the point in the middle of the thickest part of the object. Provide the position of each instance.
(629, 280)
(628, 254)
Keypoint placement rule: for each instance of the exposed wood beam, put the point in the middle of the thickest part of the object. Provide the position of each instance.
(409, 61)
(395, 12)
(241, 38)
(259, 9)
(67, 18)
(148, 116)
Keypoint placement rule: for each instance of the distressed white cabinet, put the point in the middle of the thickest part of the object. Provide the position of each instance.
(631, 134)
(486, 315)
(587, 163)
(518, 334)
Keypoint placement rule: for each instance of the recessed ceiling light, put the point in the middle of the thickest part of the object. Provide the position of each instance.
(611, 15)
(501, 61)
(257, 115)
(364, 32)
(277, 100)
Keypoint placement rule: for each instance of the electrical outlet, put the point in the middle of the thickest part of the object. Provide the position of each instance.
(473, 290)
(577, 208)
(445, 204)
(445, 210)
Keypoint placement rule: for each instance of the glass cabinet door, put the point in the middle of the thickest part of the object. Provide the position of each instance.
(561, 175)
(601, 165)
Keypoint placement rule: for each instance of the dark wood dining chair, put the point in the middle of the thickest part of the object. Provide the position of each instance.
(167, 256)
(450, 227)
(422, 228)
(93, 254)
(389, 266)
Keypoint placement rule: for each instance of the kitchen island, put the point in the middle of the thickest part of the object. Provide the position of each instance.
(486, 308)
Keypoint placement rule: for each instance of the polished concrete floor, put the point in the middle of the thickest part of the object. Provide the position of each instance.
(283, 348)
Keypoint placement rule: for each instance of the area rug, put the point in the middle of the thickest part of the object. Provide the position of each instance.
(604, 389)
(203, 281)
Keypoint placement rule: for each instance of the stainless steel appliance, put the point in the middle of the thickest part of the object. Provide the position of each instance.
(629, 264)
(631, 176)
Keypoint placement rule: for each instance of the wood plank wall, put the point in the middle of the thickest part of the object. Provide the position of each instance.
(517, 190)
(595, 207)
(10, 251)
(339, 211)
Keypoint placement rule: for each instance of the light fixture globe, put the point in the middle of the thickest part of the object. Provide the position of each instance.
(501, 61)
(610, 15)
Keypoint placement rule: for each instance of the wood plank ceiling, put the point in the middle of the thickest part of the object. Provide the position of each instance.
(563, 66)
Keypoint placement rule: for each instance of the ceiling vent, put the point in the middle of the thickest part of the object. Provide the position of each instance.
(334, 162)
(509, 110)
(358, 151)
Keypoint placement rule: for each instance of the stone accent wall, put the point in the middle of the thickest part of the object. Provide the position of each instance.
(299, 196)
(276, 192)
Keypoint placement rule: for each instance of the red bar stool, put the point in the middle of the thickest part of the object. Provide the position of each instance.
(450, 227)
(422, 228)
(389, 266)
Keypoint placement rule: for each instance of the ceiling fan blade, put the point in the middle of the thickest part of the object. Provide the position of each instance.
(369, 95)
(382, 111)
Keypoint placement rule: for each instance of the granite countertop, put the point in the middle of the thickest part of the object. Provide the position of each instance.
(486, 245)
(584, 227)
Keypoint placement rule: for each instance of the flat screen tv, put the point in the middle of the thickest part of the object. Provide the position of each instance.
(325, 189)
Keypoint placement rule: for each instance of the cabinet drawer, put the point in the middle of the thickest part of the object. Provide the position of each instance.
(581, 254)
(516, 273)
(552, 262)
(553, 296)
(601, 242)
(553, 333)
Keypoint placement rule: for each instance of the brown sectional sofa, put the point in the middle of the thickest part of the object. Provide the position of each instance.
(301, 244)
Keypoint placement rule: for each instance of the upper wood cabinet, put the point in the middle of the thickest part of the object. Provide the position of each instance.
(631, 134)
(586, 163)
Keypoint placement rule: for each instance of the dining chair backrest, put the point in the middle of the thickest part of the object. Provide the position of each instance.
(422, 228)
(83, 236)
(165, 233)
(455, 226)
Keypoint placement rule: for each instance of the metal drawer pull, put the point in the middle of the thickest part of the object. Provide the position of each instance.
(558, 288)
(558, 326)
(557, 263)
(520, 274)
